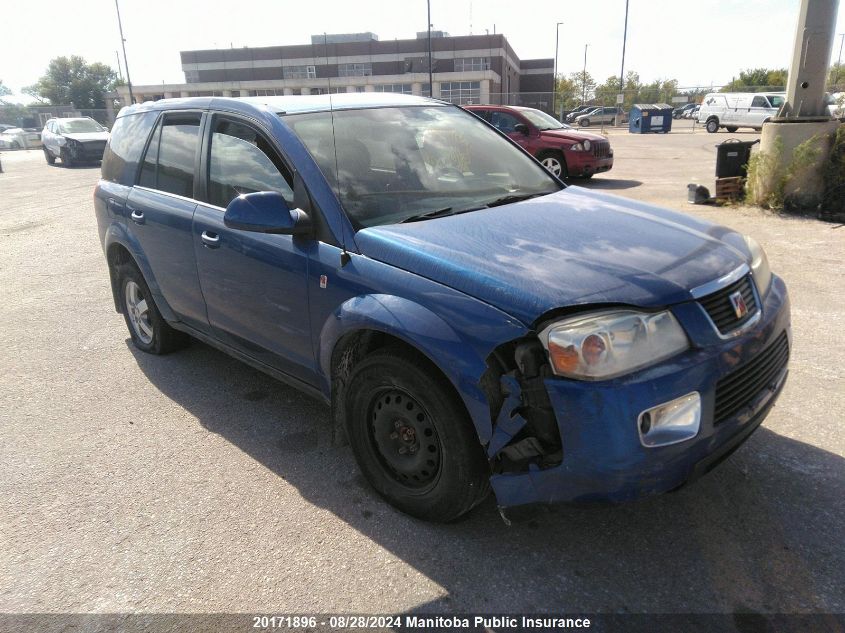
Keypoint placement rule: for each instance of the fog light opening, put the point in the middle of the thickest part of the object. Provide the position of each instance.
(645, 423)
(675, 421)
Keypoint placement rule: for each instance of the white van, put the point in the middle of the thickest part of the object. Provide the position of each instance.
(733, 110)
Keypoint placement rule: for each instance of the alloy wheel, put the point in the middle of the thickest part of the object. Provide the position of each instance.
(138, 311)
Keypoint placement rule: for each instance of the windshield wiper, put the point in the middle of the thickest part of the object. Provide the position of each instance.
(429, 215)
(512, 198)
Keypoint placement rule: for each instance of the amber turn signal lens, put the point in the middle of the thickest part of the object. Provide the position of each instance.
(565, 359)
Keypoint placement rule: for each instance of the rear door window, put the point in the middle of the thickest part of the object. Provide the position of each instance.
(170, 160)
(125, 146)
(759, 102)
(243, 161)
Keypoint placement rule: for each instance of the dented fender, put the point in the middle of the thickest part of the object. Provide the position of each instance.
(421, 328)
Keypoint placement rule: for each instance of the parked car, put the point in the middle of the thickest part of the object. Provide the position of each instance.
(577, 111)
(74, 140)
(20, 138)
(474, 322)
(600, 115)
(5, 126)
(683, 111)
(693, 114)
(563, 150)
(733, 110)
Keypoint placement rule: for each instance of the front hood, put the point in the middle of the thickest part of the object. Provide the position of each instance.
(572, 247)
(571, 135)
(88, 136)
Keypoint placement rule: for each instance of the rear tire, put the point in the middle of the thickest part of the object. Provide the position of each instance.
(412, 437)
(149, 331)
(712, 125)
(51, 160)
(16, 145)
(584, 122)
(731, 129)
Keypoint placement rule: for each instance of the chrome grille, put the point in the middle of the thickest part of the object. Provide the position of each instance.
(720, 309)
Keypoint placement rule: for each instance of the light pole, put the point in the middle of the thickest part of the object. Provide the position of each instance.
(554, 82)
(624, 42)
(584, 77)
(430, 72)
(839, 63)
(125, 61)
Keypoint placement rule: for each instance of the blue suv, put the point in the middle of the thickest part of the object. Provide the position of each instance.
(471, 321)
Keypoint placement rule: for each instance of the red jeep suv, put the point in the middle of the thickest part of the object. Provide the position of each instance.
(563, 151)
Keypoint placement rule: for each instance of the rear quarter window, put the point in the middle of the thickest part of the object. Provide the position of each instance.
(126, 143)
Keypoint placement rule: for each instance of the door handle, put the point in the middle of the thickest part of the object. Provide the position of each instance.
(212, 240)
(137, 215)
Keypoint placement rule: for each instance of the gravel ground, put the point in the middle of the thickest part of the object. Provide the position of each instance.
(192, 483)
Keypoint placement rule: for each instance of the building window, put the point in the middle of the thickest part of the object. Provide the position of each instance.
(461, 92)
(426, 90)
(360, 89)
(269, 92)
(467, 64)
(299, 72)
(328, 91)
(419, 64)
(355, 70)
(205, 93)
(404, 89)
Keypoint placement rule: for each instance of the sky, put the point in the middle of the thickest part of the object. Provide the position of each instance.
(697, 43)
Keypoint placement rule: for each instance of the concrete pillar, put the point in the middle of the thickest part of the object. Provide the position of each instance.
(288, 92)
(485, 91)
(435, 90)
(810, 59)
(227, 93)
(369, 88)
(805, 188)
(306, 91)
(184, 93)
(416, 88)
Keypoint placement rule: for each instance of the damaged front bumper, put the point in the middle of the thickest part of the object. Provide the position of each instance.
(603, 457)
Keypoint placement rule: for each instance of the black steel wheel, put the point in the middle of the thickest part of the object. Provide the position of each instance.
(405, 439)
(412, 437)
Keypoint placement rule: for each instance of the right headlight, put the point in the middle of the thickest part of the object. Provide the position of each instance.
(759, 265)
(602, 345)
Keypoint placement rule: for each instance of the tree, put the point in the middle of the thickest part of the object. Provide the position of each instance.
(758, 80)
(836, 78)
(583, 84)
(568, 96)
(4, 89)
(73, 80)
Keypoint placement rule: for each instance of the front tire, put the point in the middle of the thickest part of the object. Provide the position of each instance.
(584, 122)
(48, 156)
(555, 163)
(149, 331)
(412, 437)
(712, 126)
(67, 159)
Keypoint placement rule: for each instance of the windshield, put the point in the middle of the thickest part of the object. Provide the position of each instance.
(775, 101)
(399, 163)
(541, 120)
(77, 126)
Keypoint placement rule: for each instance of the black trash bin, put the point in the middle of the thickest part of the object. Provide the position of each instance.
(732, 158)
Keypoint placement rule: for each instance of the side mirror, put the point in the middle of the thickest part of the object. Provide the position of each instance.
(266, 212)
(521, 128)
